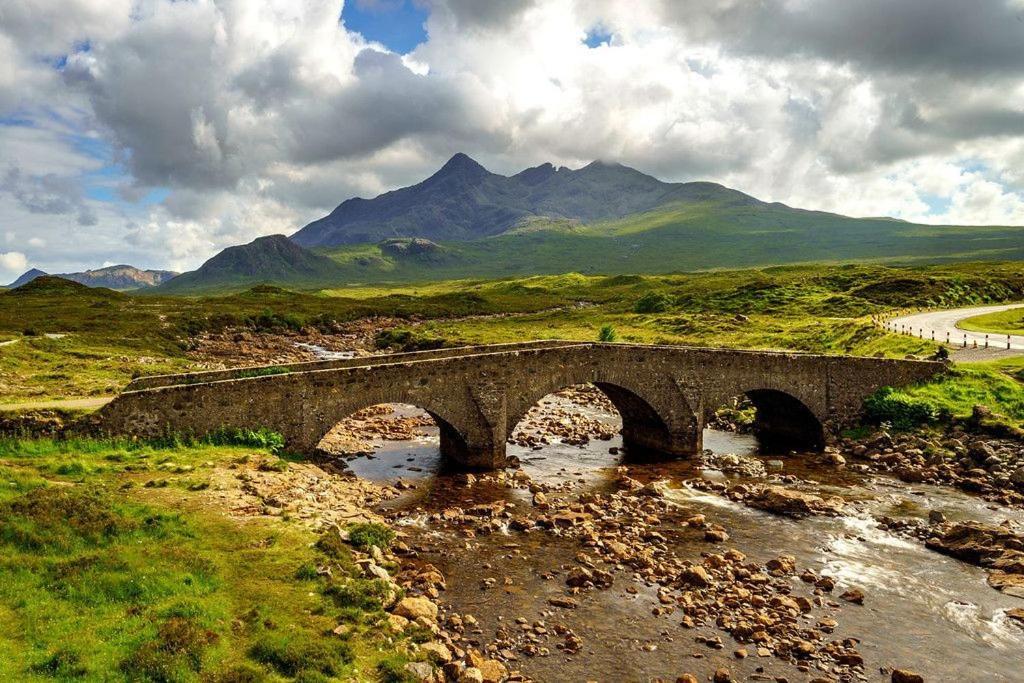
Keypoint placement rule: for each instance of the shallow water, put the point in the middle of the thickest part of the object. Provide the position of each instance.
(923, 611)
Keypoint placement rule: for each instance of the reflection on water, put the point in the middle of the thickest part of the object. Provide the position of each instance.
(924, 611)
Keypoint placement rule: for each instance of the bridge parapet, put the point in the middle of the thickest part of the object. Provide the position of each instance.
(478, 394)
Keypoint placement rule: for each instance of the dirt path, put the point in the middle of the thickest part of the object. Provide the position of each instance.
(60, 404)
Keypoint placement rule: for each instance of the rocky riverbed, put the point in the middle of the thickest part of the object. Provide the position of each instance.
(736, 565)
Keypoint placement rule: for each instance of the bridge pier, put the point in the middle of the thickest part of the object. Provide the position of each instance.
(652, 442)
(488, 454)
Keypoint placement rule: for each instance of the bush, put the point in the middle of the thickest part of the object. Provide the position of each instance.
(365, 595)
(54, 517)
(301, 655)
(333, 546)
(362, 536)
(653, 302)
(607, 334)
(178, 647)
(898, 409)
(61, 664)
(392, 670)
(407, 340)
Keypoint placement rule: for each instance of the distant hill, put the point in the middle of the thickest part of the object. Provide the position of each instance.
(26, 277)
(53, 285)
(273, 260)
(112, 277)
(464, 201)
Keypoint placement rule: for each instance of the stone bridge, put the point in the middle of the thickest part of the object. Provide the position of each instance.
(477, 394)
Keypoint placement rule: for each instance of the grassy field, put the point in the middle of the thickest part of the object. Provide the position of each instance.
(68, 341)
(113, 566)
(1003, 322)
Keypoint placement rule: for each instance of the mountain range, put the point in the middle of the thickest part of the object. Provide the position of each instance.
(605, 218)
(464, 201)
(113, 277)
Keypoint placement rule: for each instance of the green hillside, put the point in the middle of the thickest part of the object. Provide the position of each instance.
(687, 237)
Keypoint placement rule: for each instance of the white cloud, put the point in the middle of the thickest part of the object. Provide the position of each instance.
(258, 117)
(13, 263)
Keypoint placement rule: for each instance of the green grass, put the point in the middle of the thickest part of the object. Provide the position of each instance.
(104, 580)
(997, 386)
(1003, 322)
(112, 337)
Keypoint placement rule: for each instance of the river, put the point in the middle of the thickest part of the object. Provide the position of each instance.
(923, 611)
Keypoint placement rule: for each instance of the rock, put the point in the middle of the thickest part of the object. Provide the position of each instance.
(687, 678)
(397, 623)
(578, 577)
(563, 601)
(904, 676)
(437, 652)
(414, 608)
(835, 459)
(854, 595)
(493, 671)
(420, 671)
(722, 676)
(783, 501)
(936, 516)
(655, 489)
(696, 576)
(471, 675)
(1016, 615)
(1017, 476)
(1011, 584)
(783, 564)
(716, 536)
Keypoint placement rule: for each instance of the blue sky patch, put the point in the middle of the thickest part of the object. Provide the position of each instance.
(598, 36)
(396, 24)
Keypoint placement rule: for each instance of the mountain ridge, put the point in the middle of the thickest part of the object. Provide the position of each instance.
(464, 201)
(118, 277)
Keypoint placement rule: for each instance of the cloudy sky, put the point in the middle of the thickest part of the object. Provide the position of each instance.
(157, 132)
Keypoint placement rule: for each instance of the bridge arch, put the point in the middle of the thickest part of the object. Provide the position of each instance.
(656, 418)
(464, 435)
(783, 419)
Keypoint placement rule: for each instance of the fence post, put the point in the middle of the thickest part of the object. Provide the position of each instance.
(965, 341)
(986, 341)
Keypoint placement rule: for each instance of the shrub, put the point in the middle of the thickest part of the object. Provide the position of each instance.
(653, 302)
(607, 334)
(898, 409)
(61, 664)
(53, 517)
(362, 536)
(179, 646)
(294, 655)
(392, 670)
(365, 595)
(407, 340)
(333, 546)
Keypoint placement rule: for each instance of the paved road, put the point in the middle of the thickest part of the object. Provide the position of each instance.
(64, 404)
(941, 323)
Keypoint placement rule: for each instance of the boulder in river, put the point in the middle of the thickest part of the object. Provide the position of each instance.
(783, 501)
